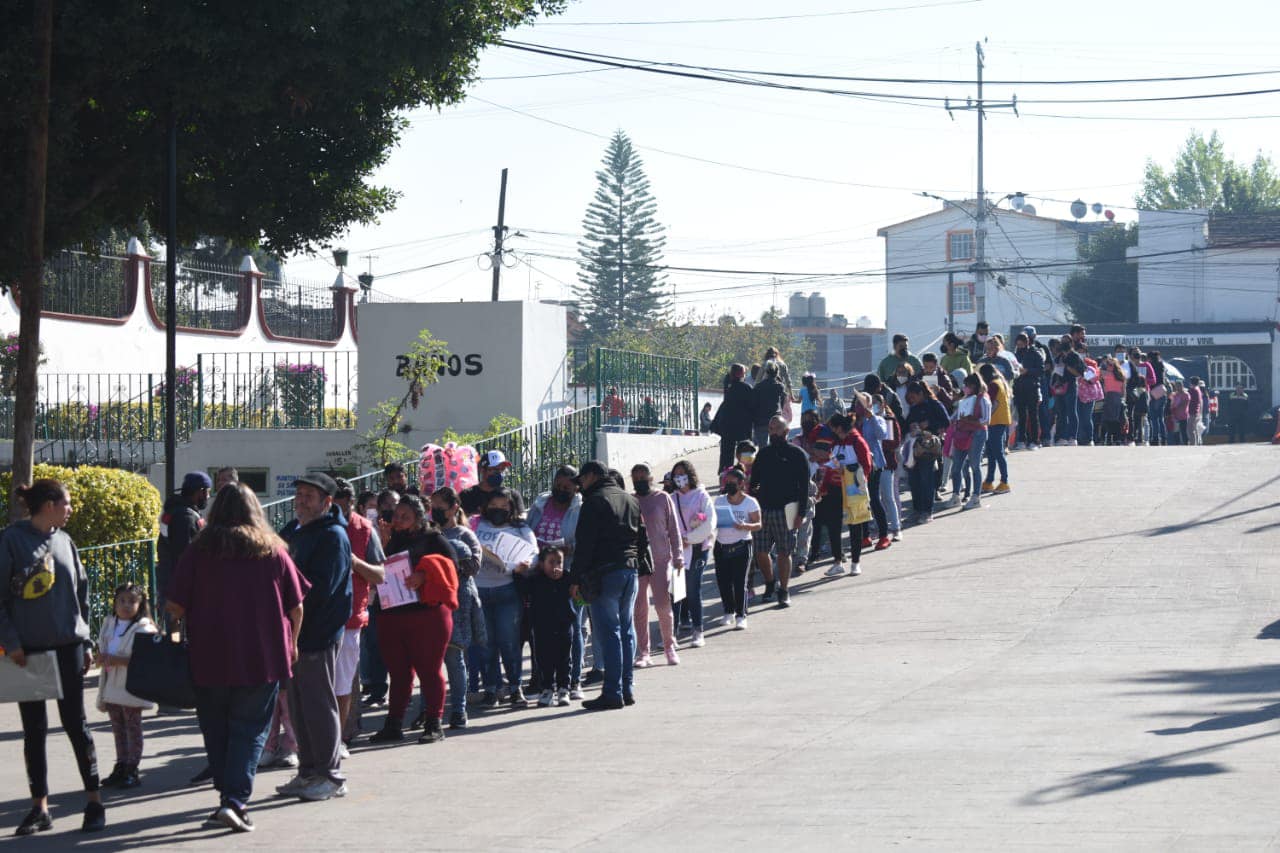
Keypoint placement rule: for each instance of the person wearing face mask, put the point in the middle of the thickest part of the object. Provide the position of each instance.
(849, 451)
(779, 480)
(492, 470)
(872, 425)
(180, 521)
(733, 545)
(500, 598)
(954, 355)
(696, 516)
(977, 343)
(972, 415)
(468, 619)
(554, 520)
(663, 533)
(901, 354)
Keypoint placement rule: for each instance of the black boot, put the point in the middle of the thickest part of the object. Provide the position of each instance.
(432, 732)
(116, 777)
(391, 732)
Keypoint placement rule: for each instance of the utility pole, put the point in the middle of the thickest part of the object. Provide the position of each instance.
(499, 231)
(980, 106)
(171, 307)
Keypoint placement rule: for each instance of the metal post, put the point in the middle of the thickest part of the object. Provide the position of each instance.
(951, 305)
(171, 311)
(498, 232)
(199, 391)
(980, 230)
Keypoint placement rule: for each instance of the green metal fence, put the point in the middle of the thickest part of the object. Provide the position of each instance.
(537, 450)
(280, 511)
(108, 566)
(647, 393)
(266, 390)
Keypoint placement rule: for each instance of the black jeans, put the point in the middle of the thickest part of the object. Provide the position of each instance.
(877, 508)
(35, 726)
(732, 564)
(828, 522)
(553, 647)
(921, 479)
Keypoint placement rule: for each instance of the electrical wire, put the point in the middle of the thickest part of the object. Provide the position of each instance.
(810, 15)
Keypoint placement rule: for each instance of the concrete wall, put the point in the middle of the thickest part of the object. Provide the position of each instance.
(280, 456)
(622, 450)
(506, 357)
(916, 304)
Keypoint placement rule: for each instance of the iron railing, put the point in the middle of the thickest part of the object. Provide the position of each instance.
(265, 390)
(537, 450)
(208, 296)
(86, 285)
(299, 309)
(656, 392)
(109, 566)
(279, 512)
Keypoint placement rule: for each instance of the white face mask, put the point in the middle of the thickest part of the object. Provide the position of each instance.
(681, 480)
(982, 338)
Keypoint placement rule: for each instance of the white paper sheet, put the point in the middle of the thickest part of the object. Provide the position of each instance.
(37, 680)
(392, 592)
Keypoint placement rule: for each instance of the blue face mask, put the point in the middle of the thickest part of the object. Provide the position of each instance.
(494, 480)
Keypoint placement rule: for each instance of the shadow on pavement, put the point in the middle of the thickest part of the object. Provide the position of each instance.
(1270, 632)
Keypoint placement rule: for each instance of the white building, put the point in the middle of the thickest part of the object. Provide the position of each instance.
(930, 287)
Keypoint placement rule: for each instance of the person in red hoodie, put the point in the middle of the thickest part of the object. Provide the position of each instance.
(366, 570)
(850, 449)
(828, 514)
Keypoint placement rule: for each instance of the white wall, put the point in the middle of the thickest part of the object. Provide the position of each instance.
(286, 454)
(508, 357)
(916, 304)
(622, 450)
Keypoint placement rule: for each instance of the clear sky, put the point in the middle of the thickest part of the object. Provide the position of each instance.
(850, 164)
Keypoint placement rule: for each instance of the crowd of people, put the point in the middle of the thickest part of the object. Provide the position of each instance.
(290, 640)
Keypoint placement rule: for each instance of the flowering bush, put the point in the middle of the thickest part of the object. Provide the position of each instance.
(301, 389)
(9, 363)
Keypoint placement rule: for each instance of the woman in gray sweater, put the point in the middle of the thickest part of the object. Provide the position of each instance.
(44, 606)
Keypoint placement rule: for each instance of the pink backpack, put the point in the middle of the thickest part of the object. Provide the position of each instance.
(452, 465)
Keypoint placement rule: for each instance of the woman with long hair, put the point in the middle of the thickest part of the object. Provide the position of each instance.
(468, 619)
(998, 430)
(413, 637)
(44, 607)
(924, 415)
(240, 596)
(810, 394)
(972, 416)
(500, 597)
(696, 518)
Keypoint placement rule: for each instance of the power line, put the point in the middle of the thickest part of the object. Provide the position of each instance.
(752, 20)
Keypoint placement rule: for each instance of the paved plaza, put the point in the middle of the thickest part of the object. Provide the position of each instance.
(1091, 662)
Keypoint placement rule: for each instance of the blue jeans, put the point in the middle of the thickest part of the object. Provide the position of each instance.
(1155, 417)
(455, 664)
(971, 460)
(689, 610)
(502, 607)
(373, 672)
(1084, 434)
(612, 613)
(997, 443)
(1068, 413)
(889, 500)
(920, 478)
(233, 721)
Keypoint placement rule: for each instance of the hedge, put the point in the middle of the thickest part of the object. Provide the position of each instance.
(108, 504)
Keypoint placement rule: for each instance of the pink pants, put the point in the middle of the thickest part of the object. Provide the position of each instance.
(276, 740)
(657, 583)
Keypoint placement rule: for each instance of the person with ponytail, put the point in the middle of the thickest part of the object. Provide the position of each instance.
(44, 606)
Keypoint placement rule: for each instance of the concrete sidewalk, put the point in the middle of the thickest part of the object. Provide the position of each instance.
(1091, 662)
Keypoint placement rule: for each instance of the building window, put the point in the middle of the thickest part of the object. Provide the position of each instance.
(959, 245)
(1227, 371)
(962, 298)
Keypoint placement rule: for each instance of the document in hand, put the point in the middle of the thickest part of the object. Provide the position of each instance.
(38, 680)
(392, 592)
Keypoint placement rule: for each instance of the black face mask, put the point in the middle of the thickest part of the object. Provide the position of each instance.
(561, 496)
(440, 516)
(497, 517)
(642, 487)
(494, 480)
(730, 488)
(777, 440)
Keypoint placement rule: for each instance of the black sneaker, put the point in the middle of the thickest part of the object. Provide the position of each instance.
(768, 593)
(205, 775)
(234, 818)
(602, 703)
(212, 822)
(374, 701)
(457, 720)
(784, 598)
(432, 732)
(115, 778)
(37, 820)
(131, 779)
(628, 699)
(593, 677)
(518, 699)
(490, 700)
(391, 732)
(95, 818)
(419, 721)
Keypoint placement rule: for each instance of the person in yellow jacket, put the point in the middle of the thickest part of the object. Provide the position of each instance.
(998, 429)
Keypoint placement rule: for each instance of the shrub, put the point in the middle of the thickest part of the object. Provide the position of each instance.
(108, 505)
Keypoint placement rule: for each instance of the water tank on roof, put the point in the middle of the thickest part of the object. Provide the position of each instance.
(839, 321)
(817, 305)
(864, 322)
(799, 306)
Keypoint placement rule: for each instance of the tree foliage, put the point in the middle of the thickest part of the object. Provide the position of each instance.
(1107, 290)
(284, 110)
(424, 364)
(1203, 176)
(621, 246)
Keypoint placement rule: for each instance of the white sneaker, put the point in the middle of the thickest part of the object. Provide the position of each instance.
(343, 752)
(1071, 442)
(697, 642)
(896, 536)
(322, 789)
(727, 620)
(575, 692)
(741, 624)
(286, 759)
(545, 698)
(562, 698)
(855, 570)
(974, 502)
(294, 785)
(266, 759)
(950, 502)
(835, 571)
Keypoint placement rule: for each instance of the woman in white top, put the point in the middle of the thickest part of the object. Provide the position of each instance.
(737, 517)
(973, 414)
(696, 517)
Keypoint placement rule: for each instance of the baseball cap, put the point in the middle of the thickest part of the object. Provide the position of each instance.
(495, 459)
(595, 467)
(1030, 331)
(318, 480)
(195, 481)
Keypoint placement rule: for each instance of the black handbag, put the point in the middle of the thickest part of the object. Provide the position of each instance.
(160, 671)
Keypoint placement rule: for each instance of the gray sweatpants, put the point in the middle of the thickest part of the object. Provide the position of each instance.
(314, 708)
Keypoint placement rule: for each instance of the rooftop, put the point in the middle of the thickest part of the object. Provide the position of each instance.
(1238, 228)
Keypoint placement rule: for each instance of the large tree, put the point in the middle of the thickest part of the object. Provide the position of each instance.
(1106, 291)
(283, 111)
(621, 249)
(1203, 176)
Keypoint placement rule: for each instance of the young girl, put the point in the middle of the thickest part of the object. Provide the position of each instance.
(115, 647)
(553, 619)
(741, 518)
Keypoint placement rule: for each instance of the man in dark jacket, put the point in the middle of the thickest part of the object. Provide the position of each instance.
(605, 561)
(767, 399)
(180, 521)
(780, 482)
(733, 419)
(977, 343)
(318, 544)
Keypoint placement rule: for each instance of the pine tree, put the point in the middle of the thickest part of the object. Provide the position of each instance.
(621, 248)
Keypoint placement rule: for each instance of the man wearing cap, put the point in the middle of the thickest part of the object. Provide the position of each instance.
(780, 482)
(318, 544)
(180, 521)
(604, 571)
(492, 470)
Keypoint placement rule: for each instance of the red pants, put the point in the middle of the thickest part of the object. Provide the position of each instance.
(415, 640)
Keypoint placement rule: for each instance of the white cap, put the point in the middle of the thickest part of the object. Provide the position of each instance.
(495, 459)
